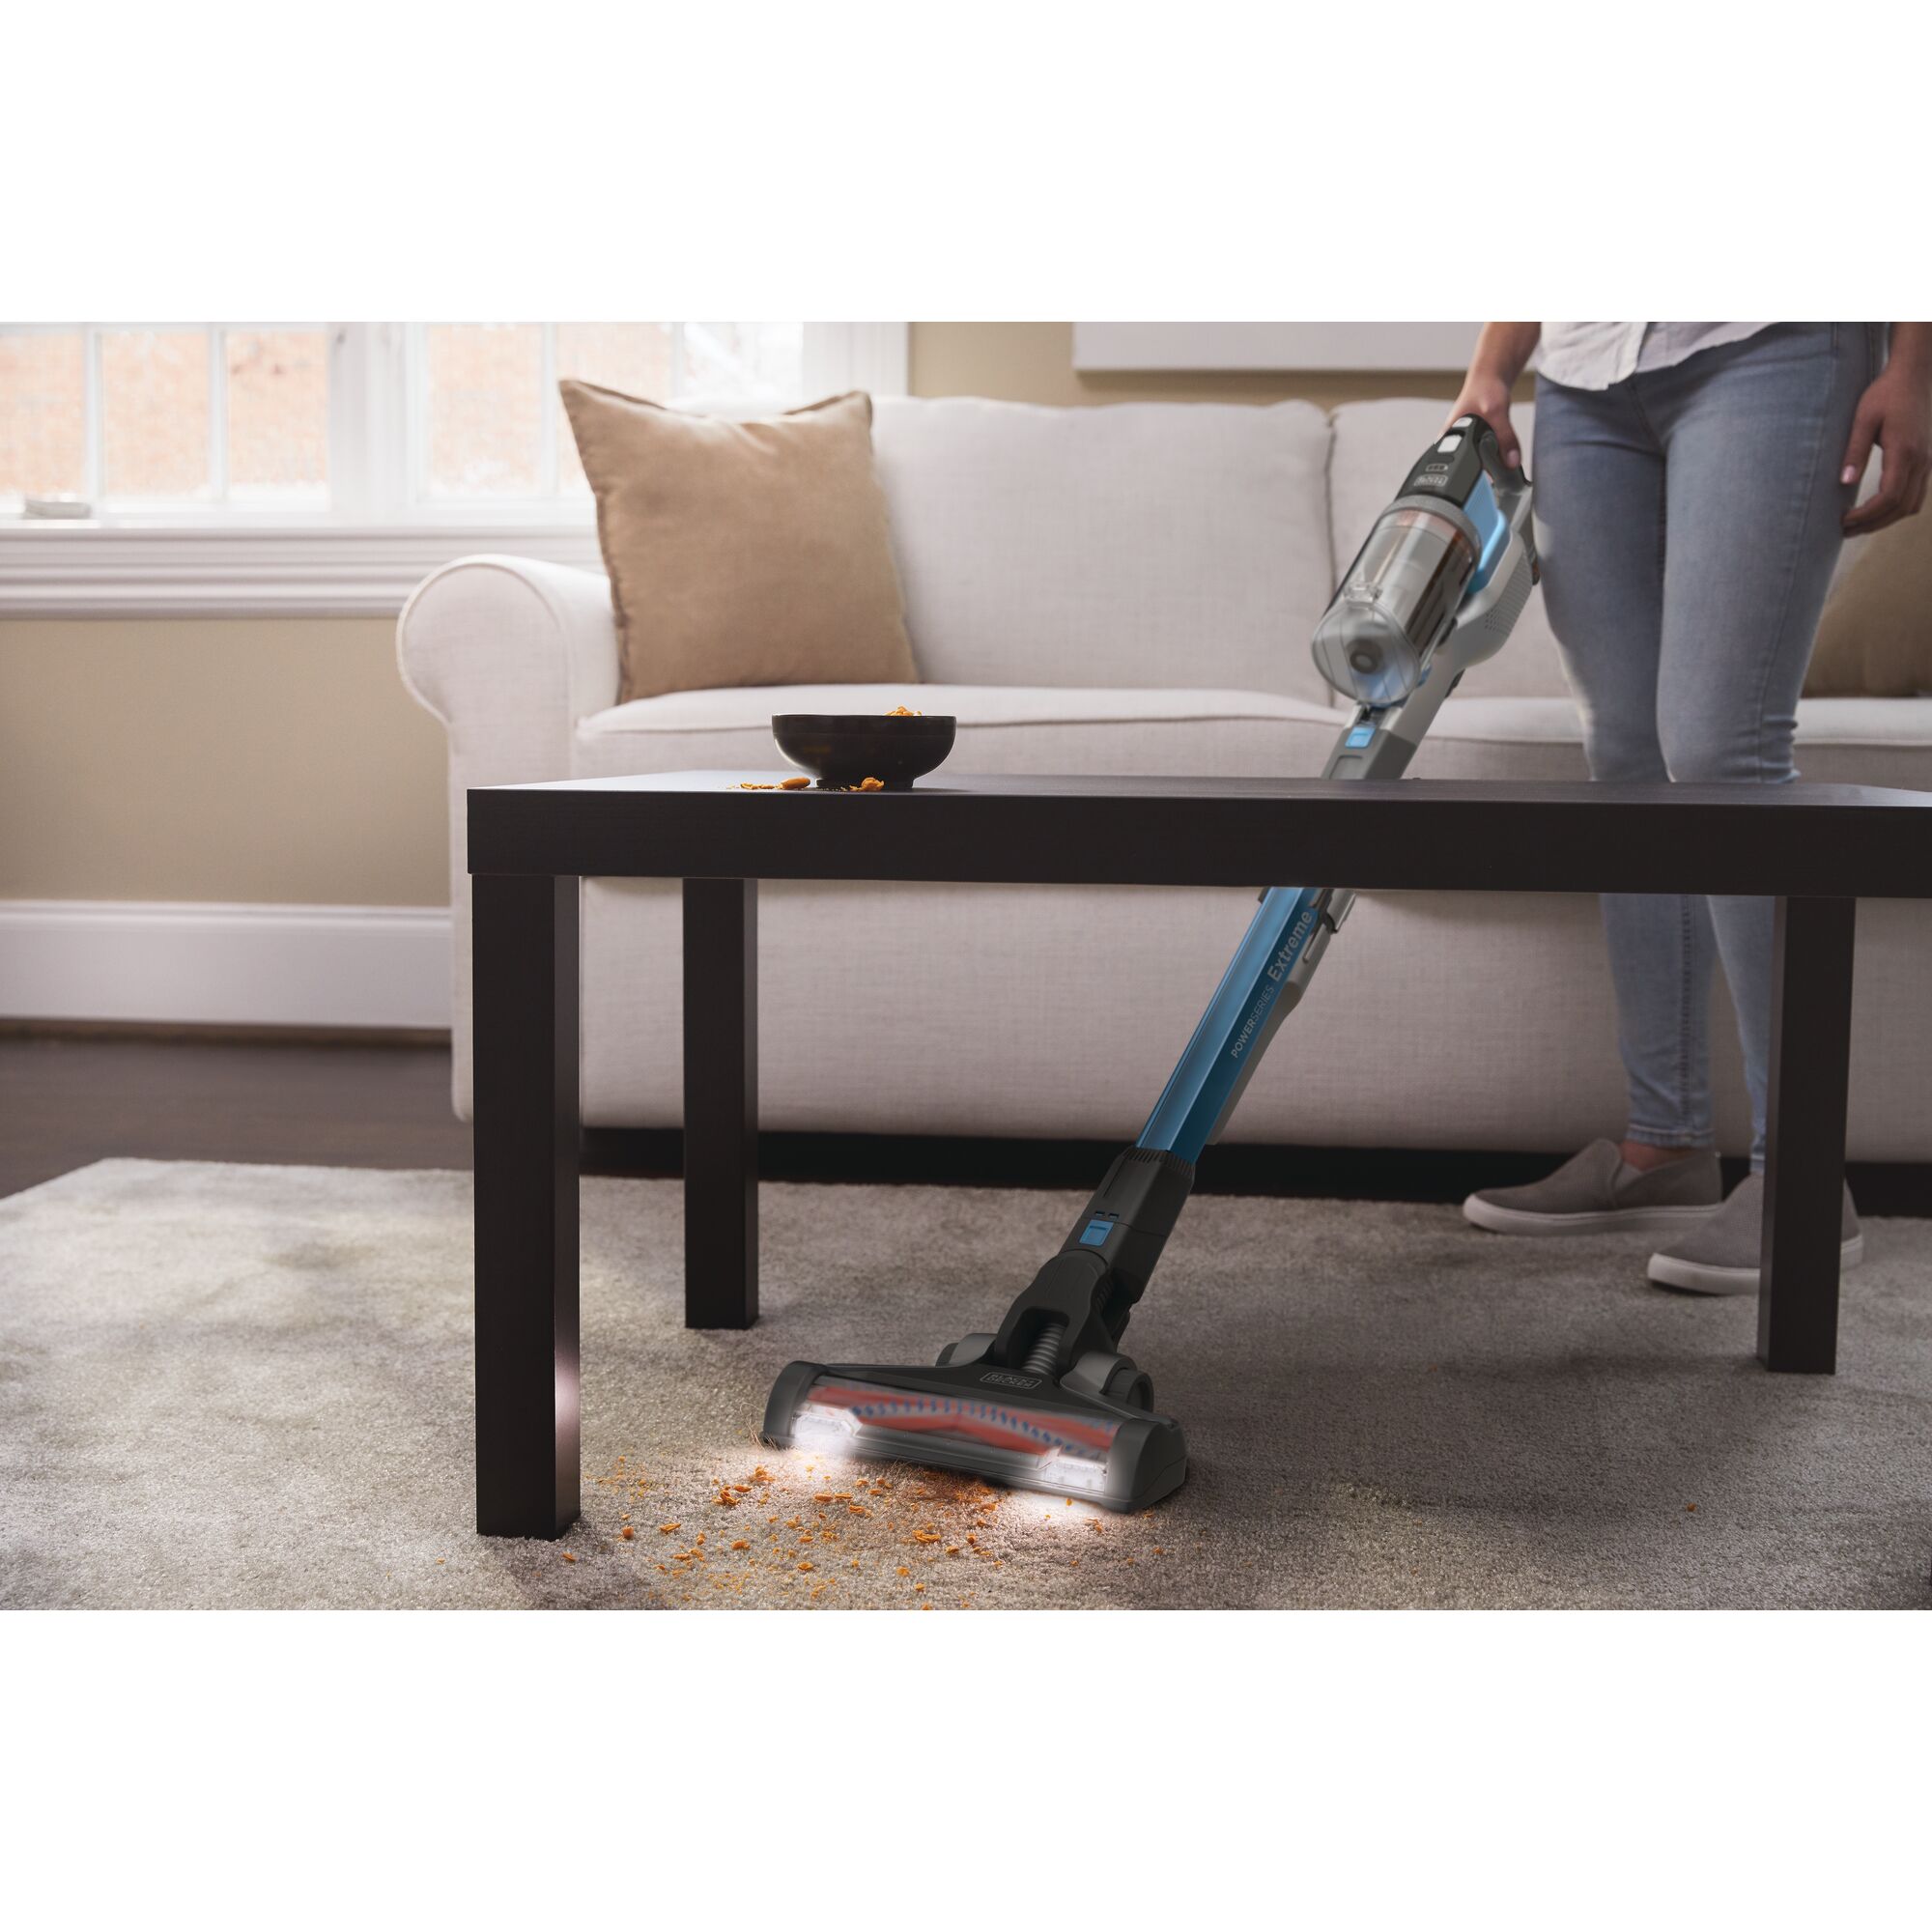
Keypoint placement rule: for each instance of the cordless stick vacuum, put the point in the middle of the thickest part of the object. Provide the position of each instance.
(1050, 1402)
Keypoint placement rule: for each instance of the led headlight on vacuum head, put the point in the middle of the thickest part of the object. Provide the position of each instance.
(1038, 1435)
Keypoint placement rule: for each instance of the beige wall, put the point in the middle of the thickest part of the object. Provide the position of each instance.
(1033, 362)
(279, 759)
(217, 759)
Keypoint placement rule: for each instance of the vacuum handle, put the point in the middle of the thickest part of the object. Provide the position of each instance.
(1511, 476)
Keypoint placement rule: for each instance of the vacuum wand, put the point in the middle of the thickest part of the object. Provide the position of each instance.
(1435, 589)
(1048, 1402)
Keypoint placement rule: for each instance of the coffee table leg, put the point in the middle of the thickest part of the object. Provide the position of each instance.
(721, 1103)
(1805, 1150)
(524, 953)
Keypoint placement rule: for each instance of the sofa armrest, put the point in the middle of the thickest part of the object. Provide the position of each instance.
(509, 654)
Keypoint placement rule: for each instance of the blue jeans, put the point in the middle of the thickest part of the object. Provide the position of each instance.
(1689, 523)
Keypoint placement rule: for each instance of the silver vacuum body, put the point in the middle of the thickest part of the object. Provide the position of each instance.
(1448, 564)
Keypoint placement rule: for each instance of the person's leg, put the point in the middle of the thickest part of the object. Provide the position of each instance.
(1601, 515)
(1600, 508)
(1753, 436)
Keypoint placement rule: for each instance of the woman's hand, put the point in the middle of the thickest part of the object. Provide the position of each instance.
(1502, 353)
(1488, 397)
(1895, 413)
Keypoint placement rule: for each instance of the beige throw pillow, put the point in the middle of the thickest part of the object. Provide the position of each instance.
(1875, 637)
(742, 552)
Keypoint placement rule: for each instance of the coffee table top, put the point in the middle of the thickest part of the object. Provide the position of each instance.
(1825, 841)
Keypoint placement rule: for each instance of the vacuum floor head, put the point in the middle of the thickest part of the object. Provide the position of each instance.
(1027, 1432)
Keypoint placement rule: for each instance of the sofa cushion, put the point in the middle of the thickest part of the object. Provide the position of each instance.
(1139, 544)
(741, 552)
(1375, 445)
(1884, 741)
(1875, 741)
(1002, 729)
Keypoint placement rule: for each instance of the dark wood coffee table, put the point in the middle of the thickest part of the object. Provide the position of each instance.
(1816, 849)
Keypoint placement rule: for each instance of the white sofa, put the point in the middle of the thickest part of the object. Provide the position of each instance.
(1120, 589)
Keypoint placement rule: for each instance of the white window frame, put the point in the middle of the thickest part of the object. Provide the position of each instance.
(373, 545)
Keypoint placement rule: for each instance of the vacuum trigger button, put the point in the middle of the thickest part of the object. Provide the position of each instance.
(968, 1349)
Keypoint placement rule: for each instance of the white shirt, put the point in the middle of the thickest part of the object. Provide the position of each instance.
(1594, 354)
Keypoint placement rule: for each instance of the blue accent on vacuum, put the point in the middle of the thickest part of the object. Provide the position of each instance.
(1050, 1402)
(1231, 1031)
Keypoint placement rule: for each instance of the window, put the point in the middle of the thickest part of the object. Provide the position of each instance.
(330, 466)
(488, 421)
(212, 417)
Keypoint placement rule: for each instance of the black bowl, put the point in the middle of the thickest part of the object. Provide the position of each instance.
(845, 748)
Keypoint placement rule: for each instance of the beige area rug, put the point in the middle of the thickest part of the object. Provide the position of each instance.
(250, 1386)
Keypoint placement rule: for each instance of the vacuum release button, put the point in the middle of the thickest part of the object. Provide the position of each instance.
(1095, 1232)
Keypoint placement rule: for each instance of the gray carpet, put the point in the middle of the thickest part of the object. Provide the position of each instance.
(228, 1386)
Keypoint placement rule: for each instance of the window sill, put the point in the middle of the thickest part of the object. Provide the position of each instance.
(295, 570)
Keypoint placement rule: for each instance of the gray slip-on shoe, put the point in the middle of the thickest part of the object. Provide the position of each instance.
(1721, 1256)
(1598, 1192)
